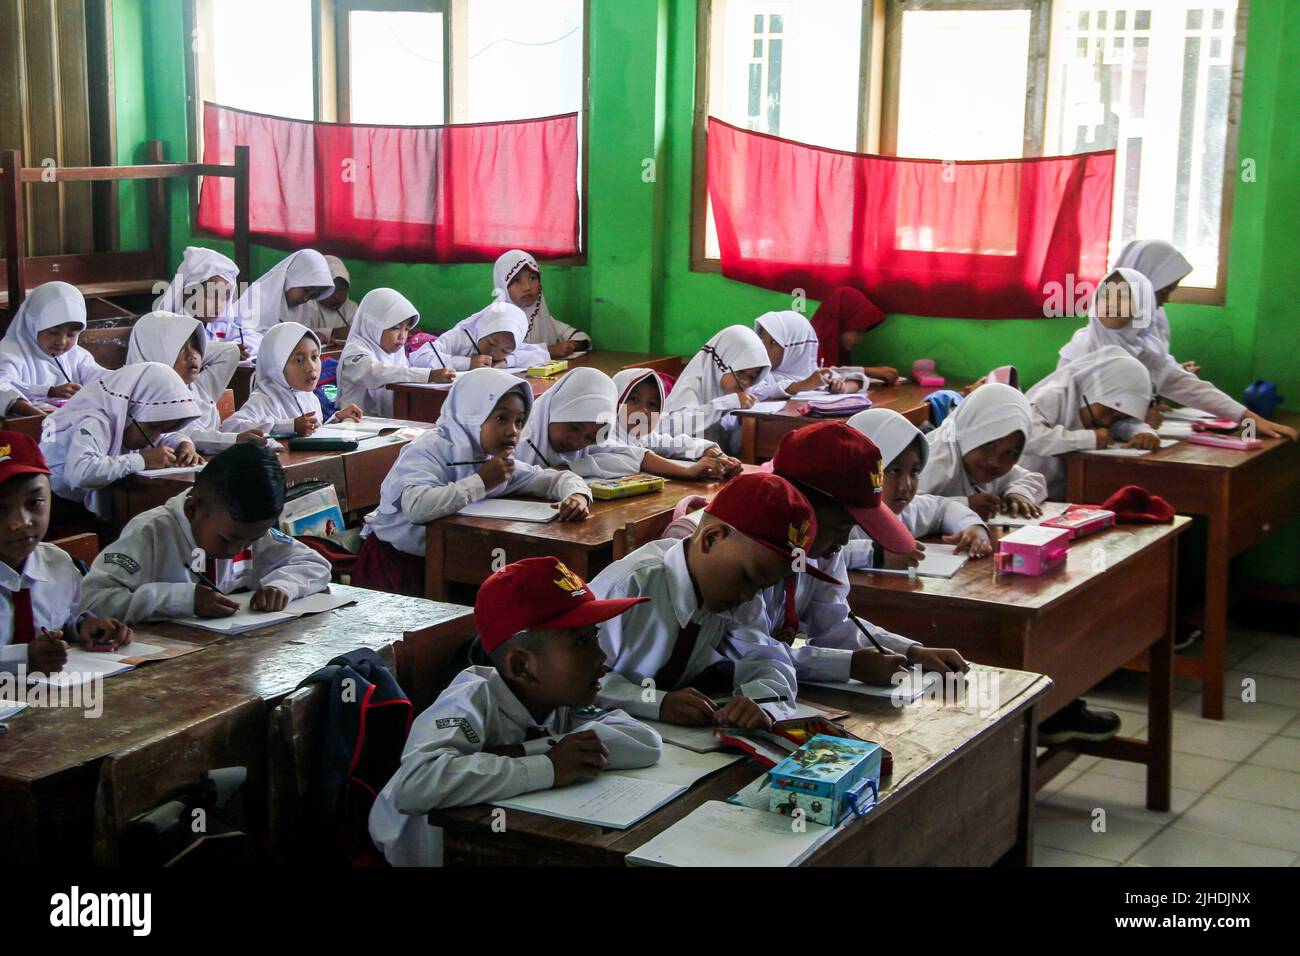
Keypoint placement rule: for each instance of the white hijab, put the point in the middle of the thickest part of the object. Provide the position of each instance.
(735, 348)
(198, 265)
(539, 323)
(497, 317)
(469, 403)
(1110, 376)
(892, 433)
(1160, 262)
(50, 304)
(582, 394)
(1139, 337)
(379, 311)
(624, 382)
(263, 305)
(273, 398)
(990, 412)
(159, 337)
(795, 334)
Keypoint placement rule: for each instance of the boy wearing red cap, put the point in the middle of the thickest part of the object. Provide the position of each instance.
(524, 723)
(702, 616)
(40, 585)
(841, 472)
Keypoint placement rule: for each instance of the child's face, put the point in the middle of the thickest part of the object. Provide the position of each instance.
(300, 294)
(642, 407)
(1115, 304)
(338, 296)
(568, 667)
(775, 351)
(902, 478)
(395, 337)
(834, 524)
(210, 300)
(59, 339)
(740, 380)
(216, 531)
(500, 433)
(24, 517)
(189, 362)
(498, 345)
(993, 459)
(572, 436)
(1098, 415)
(524, 288)
(141, 434)
(302, 371)
(734, 568)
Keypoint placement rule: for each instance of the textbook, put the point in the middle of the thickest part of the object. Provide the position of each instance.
(723, 834)
(244, 620)
(611, 800)
(512, 509)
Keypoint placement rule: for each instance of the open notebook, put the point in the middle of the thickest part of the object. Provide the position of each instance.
(245, 620)
(86, 665)
(512, 509)
(1117, 452)
(723, 834)
(941, 561)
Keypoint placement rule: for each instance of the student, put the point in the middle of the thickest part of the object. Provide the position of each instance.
(284, 401)
(572, 426)
(792, 348)
(1122, 314)
(207, 368)
(224, 525)
(203, 288)
(1099, 399)
(974, 455)
(905, 453)
(336, 310)
(640, 402)
(517, 279)
(39, 356)
(40, 586)
(702, 623)
(466, 457)
(717, 381)
(281, 295)
(840, 322)
(127, 421)
(374, 356)
(492, 338)
(841, 473)
(524, 722)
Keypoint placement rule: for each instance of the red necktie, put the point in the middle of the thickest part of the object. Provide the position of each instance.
(210, 569)
(24, 623)
(670, 675)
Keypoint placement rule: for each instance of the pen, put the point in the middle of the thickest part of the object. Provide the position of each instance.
(472, 342)
(61, 369)
(204, 578)
(774, 699)
(861, 627)
(441, 360)
(142, 431)
(539, 452)
(472, 461)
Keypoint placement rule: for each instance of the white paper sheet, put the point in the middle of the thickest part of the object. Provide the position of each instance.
(907, 691)
(698, 739)
(722, 834)
(1051, 509)
(941, 561)
(610, 800)
(1130, 452)
(164, 472)
(9, 709)
(245, 620)
(1188, 414)
(512, 509)
(681, 767)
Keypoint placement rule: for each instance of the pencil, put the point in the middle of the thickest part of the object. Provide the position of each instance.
(473, 461)
(861, 627)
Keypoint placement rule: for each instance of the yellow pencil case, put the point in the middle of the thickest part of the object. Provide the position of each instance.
(549, 369)
(605, 489)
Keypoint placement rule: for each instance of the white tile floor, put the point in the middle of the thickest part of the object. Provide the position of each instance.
(1236, 795)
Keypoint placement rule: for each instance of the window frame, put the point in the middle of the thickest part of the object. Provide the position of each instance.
(878, 109)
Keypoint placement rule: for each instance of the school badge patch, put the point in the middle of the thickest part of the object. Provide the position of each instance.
(279, 535)
(878, 476)
(798, 537)
(569, 581)
(589, 712)
(460, 723)
(124, 561)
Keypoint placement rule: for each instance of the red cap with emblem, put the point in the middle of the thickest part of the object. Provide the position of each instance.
(538, 594)
(769, 510)
(19, 455)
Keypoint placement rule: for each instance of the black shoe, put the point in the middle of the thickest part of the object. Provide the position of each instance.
(1075, 721)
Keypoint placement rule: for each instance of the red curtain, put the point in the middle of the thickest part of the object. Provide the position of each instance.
(919, 236)
(461, 193)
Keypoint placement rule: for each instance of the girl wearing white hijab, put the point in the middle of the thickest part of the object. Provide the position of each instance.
(374, 355)
(717, 381)
(204, 283)
(792, 347)
(1122, 314)
(1165, 267)
(904, 453)
(182, 343)
(517, 279)
(125, 422)
(281, 295)
(283, 401)
(466, 457)
(336, 310)
(39, 356)
(1101, 397)
(492, 338)
(640, 402)
(974, 454)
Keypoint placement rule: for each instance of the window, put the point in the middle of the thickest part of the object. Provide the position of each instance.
(397, 67)
(984, 79)
(272, 72)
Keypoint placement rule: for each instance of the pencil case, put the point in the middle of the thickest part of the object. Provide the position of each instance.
(1234, 442)
(828, 778)
(837, 406)
(605, 489)
(1032, 550)
(1081, 520)
(1216, 425)
(549, 369)
(924, 375)
(323, 444)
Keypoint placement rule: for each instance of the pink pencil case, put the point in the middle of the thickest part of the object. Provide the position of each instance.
(1081, 520)
(1234, 442)
(1032, 550)
(923, 374)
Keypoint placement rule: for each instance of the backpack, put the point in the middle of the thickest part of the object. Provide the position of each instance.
(327, 389)
(366, 720)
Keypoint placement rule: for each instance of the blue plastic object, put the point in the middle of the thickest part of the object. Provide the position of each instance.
(1262, 397)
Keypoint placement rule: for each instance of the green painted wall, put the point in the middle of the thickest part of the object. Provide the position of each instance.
(636, 289)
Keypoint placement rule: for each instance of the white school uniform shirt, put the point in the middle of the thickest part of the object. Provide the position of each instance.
(159, 337)
(1111, 377)
(197, 266)
(990, 412)
(274, 403)
(319, 317)
(681, 447)
(459, 345)
(444, 763)
(263, 306)
(55, 585)
(365, 369)
(145, 574)
(427, 483)
(543, 328)
(27, 370)
(580, 395)
(1143, 340)
(82, 441)
(698, 405)
(640, 641)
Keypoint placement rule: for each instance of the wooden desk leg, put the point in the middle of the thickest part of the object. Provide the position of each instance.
(435, 557)
(1160, 700)
(749, 439)
(1022, 851)
(1217, 562)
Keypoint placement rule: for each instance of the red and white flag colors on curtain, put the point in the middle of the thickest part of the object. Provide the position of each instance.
(923, 237)
(461, 193)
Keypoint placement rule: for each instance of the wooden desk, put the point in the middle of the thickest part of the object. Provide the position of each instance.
(1113, 601)
(961, 794)
(1243, 495)
(29, 425)
(49, 759)
(610, 361)
(241, 383)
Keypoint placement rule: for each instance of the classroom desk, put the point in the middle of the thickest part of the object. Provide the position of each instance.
(761, 432)
(1114, 600)
(961, 793)
(1243, 495)
(611, 361)
(49, 759)
(241, 383)
(29, 425)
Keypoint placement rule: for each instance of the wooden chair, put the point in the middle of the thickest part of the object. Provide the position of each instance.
(107, 346)
(140, 778)
(29, 425)
(226, 404)
(83, 547)
(423, 657)
(636, 533)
